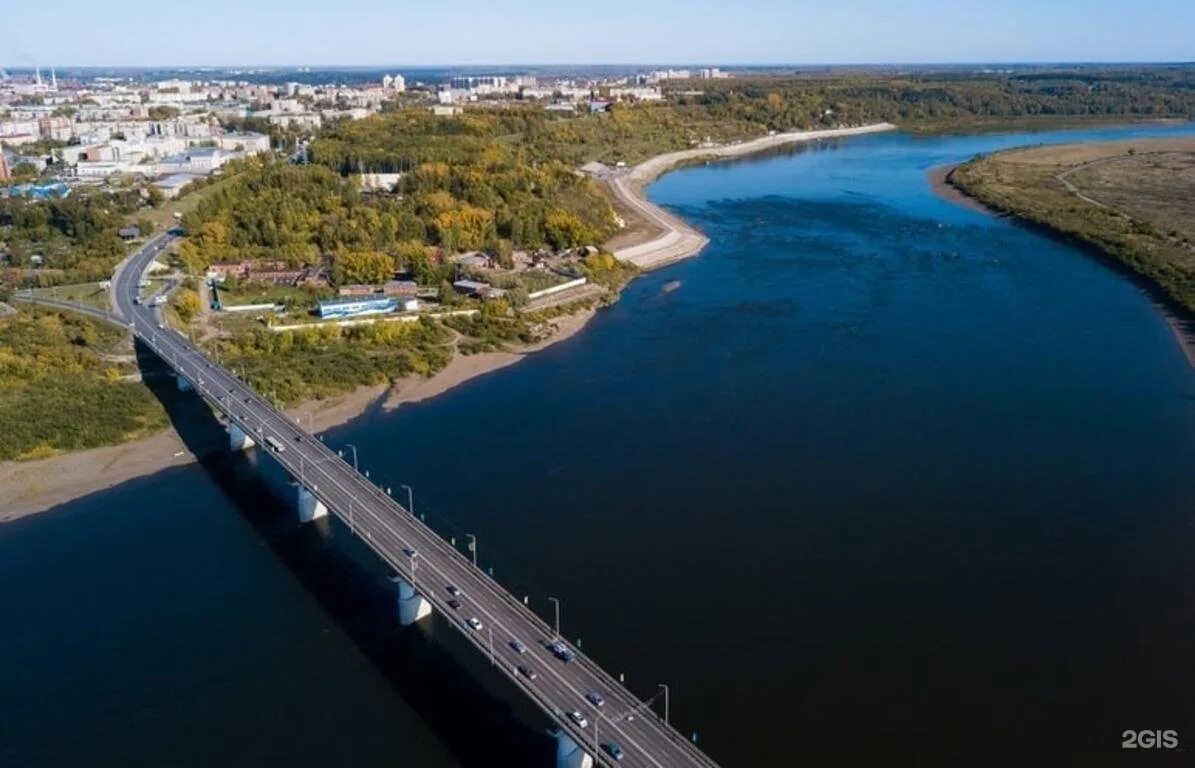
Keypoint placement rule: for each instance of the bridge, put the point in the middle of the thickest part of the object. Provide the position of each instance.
(621, 730)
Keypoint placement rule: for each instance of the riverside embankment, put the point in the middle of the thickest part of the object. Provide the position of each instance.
(667, 238)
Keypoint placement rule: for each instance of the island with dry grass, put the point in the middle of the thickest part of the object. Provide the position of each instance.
(1133, 200)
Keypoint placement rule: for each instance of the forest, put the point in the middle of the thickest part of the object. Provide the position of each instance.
(473, 199)
(61, 387)
(945, 100)
(76, 237)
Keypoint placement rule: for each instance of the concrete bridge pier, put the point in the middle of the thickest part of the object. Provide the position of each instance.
(569, 754)
(238, 439)
(411, 605)
(184, 384)
(310, 508)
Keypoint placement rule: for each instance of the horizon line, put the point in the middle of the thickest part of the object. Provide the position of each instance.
(737, 65)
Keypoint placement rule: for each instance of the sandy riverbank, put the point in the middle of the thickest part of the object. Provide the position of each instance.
(29, 487)
(667, 238)
(939, 182)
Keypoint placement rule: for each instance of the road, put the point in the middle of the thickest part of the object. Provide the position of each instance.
(558, 688)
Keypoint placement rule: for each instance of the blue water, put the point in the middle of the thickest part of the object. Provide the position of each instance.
(884, 479)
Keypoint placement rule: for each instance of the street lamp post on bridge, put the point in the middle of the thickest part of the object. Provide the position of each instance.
(472, 547)
(556, 602)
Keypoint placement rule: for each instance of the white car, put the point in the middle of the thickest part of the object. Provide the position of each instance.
(579, 719)
(474, 623)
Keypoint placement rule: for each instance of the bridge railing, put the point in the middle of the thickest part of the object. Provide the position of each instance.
(387, 504)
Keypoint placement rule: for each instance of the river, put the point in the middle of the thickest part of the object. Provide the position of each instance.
(884, 478)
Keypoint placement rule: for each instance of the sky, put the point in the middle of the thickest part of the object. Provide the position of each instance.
(433, 33)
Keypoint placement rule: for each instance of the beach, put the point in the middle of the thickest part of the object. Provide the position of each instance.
(667, 239)
(939, 181)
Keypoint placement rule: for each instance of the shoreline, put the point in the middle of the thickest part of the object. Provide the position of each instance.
(28, 488)
(1180, 324)
(675, 240)
(939, 183)
(31, 487)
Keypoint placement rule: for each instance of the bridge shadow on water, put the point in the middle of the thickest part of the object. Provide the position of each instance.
(479, 715)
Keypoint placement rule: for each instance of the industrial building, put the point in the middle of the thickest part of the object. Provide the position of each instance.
(339, 308)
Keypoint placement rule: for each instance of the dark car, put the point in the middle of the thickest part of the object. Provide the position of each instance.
(518, 647)
(613, 750)
(561, 651)
(454, 590)
(454, 604)
(595, 698)
(527, 672)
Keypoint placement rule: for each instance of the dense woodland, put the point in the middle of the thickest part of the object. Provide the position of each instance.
(946, 100)
(60, 391)
(76, 237)
(489, 200)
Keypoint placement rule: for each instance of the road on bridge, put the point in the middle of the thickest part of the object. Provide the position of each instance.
(559, 688)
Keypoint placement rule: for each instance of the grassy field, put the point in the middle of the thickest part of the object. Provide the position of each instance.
(1134, 200)
(164, 216)
(295, 297)
(91, 294)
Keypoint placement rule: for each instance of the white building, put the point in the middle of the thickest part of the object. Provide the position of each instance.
(248, 142)
(173, 184)
(383, 182)
(302, 120)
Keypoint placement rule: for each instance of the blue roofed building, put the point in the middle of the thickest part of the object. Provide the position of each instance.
(342, 308)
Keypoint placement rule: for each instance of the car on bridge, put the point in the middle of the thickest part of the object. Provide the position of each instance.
(527, 672)
(474, 623)
(454, 590)
(561, 651)
(595, 698)
(579, 719)
(454, 604)
(517, 647)
(409, 551)
(613, 750)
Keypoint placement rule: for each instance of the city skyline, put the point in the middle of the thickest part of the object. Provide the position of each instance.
(537, 33)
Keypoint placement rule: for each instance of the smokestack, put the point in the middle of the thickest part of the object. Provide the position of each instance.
(37, 69)
(53, 80)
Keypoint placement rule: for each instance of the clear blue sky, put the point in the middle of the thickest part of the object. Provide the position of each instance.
(439, 32)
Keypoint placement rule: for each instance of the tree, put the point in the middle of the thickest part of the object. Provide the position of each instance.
(24, 173)
(409, 253)
(154, 196)
(365, 267)
(187, 305)
(566, 230)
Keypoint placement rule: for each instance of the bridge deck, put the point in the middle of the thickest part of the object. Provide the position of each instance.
(391, 531)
